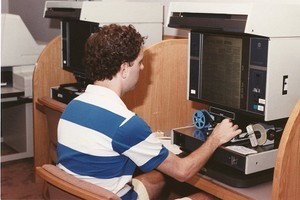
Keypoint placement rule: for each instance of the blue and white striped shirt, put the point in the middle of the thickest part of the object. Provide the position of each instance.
(102, 142)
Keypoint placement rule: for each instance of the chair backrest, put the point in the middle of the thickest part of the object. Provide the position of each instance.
(52, 110)
(286, 181)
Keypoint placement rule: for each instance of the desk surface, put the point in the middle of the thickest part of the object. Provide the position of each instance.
(223, 191)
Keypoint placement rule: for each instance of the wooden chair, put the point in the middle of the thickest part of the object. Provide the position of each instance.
(286, 181)
(59, 184)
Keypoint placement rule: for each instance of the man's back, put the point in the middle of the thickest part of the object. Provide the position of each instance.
(102, 142)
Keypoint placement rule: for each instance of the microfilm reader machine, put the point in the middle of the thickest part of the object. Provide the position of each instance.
(244, 64)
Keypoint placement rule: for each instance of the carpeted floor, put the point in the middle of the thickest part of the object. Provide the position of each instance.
(17, 180)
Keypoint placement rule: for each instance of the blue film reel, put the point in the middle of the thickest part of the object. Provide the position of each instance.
(201, 119)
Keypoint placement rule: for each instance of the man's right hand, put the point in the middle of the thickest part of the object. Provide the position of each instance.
(224, 131)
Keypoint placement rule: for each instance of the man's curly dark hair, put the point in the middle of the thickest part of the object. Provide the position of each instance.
(108, 48)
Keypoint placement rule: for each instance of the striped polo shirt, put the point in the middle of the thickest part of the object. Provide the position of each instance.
(102, 142)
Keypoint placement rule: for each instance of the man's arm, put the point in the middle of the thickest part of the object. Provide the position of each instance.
(184, 168)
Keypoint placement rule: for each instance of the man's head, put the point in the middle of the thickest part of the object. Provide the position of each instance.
(109, 48)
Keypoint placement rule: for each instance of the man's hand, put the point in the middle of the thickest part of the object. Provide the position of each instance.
(224, 132)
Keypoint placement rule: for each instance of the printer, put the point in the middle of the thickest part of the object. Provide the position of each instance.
(244, 64)
(19, 53)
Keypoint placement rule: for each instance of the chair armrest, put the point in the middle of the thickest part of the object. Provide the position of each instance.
(72, 185)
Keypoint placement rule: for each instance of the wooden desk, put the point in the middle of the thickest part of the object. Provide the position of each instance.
(223, 191)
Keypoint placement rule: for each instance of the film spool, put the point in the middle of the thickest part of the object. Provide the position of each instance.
(263, 133)
(201, 119)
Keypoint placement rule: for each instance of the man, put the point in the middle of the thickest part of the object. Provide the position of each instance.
(102, 142)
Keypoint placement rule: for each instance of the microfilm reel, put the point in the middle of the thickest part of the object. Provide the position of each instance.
(262, 133)
(199, 119)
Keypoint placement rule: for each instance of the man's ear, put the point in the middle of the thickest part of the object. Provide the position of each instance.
(124, 70)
